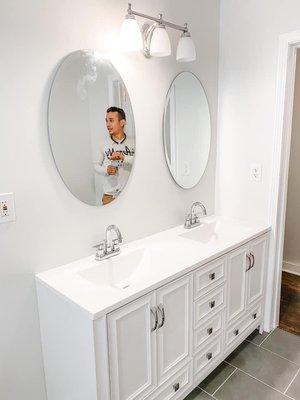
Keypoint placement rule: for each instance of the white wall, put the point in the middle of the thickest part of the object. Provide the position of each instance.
(249, 32)
(292, 227)
(52, 226)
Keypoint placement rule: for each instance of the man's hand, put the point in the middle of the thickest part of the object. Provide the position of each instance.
(117, 155)
(112, 170)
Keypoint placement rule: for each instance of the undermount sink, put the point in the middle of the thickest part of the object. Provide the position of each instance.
(117, 271)
(213, 231)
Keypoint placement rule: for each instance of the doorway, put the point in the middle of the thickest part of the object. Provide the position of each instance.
(289, 317)
(288, 51)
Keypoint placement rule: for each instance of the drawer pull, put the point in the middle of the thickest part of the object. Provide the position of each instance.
(176, 387)
(254, 315)
(236, 332)
(209, 331)
(209, 356)
(212, 304)
(212, 276)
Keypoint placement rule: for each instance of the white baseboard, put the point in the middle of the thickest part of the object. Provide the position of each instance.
(291, 267)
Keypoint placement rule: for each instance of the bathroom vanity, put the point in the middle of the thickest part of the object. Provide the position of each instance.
(155, 320)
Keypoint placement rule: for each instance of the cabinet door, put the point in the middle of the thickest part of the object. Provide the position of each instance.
(258, 248)
(236, 283)
(132, 350)
(174, 302)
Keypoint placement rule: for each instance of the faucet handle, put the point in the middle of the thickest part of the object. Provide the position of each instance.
(101, 250)
(188, 220)
(115, 245)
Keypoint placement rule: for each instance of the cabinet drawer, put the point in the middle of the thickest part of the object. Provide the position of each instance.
(207, 331)
(174, 386)
(208, 305)
(234, 333)
(207, 355)
(208, 277)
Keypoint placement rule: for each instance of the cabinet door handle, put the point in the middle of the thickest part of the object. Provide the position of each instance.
(209, 331)
(212, 276)
(212, 304)
(254, 315)
(209, 356)
(154, 313)
(161, 309)
(253, 260)
(236, 332)
(249, 258)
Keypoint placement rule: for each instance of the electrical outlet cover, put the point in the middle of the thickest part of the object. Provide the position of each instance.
(255, 172)
(7, 208)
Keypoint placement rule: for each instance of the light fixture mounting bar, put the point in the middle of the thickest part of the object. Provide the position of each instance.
(183, 28)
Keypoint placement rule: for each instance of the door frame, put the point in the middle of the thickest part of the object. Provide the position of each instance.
(288, 45)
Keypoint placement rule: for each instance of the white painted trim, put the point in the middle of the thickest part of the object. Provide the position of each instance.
(288, 44)
(292, 268)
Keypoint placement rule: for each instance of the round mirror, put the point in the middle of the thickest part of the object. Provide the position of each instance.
(186, 130)
(91, 128)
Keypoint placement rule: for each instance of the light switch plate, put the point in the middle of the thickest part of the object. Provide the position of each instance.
(255, 172)
(7, 208)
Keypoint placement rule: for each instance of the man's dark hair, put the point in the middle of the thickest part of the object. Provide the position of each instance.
(120, 112)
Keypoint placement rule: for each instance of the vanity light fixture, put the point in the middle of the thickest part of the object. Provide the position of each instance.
(153, 39)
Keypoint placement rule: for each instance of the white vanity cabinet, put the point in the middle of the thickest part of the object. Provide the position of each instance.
(245, 288)
(132, 349)
(149, 340)
(255, 276)
(158, 346)
(236, 283)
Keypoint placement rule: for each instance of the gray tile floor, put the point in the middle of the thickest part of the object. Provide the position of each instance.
(263, 367)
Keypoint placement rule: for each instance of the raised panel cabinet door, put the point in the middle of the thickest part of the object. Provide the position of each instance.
(132, 349)
(236, 283)
(258, 251)
(174, 333)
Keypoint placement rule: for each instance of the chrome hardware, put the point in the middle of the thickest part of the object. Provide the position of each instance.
(155, 315)
(209, 356)
(109, 248)
(209, 331)
(161, 309)
(212, 276)
(192, 219)
(236, 332)
(254, 316)
(249, 258)
(253, 260)
(176, 387)
(212, 304)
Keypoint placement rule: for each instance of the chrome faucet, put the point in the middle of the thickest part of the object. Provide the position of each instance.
(109, 247)
(192, 219)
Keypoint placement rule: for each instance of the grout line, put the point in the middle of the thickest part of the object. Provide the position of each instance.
(289, 385)
(225, 381)
(270, 333)
(204, 391)
(272, 352)
(264, 383)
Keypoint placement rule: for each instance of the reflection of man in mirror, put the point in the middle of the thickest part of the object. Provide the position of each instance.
(117, 156)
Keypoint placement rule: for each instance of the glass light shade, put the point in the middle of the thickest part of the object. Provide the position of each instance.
(130, 35)
(186, 49)
(160, 45)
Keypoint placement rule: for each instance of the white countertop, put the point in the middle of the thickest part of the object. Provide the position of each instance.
(165, 256)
